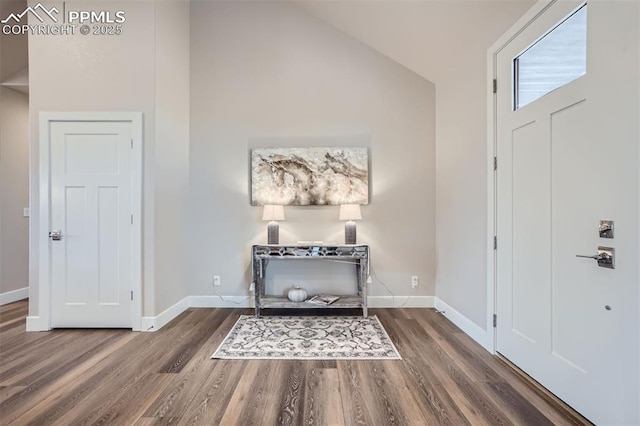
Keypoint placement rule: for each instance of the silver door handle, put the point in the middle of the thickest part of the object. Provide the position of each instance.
(55, 235)
(595, 256)
(605, 257)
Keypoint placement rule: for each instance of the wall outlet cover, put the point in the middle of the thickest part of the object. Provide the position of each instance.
(414, 281)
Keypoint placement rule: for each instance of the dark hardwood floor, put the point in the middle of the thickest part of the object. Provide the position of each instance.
(68, 377)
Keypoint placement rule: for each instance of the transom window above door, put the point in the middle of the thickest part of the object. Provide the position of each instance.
(554, 60)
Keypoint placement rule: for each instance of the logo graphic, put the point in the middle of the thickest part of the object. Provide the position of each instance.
(67, 23)
(34, 11)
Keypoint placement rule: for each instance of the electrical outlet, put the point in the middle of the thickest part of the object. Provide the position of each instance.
(216, 280)
(414, 281)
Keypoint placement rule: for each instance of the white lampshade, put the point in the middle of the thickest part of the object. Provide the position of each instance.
(350, 212)
(271, 212)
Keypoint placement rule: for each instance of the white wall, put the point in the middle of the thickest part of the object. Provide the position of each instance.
(14, 166)
(14, 190)
(271, 75)
(638, 230)
(144, 69)
(171, 160)
(13, 52)
(461, 195)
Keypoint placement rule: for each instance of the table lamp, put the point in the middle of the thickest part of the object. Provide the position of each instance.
(273, 214)
(350, 212)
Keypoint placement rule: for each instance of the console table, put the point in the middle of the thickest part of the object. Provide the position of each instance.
(261, 255)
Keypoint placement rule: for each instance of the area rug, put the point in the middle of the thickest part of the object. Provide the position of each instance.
(313, 337)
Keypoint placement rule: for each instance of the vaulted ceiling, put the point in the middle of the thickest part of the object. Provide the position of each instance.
(429, 37)
(426, 36)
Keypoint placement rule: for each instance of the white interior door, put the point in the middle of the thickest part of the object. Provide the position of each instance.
(566, 161)
(92, 196)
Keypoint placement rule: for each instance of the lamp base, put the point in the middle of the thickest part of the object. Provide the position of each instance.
(350, 232)
(273, 233)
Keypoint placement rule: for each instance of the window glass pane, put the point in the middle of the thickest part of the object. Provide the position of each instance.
(553, 61)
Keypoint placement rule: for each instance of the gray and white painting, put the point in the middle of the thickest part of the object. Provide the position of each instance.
(309, 176)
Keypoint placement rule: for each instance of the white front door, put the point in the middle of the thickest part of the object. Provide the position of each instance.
(566, 161)
(92, 203)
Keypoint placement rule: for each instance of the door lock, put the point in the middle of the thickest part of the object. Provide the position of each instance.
(605, 230)
(55, 235)
(605, 257)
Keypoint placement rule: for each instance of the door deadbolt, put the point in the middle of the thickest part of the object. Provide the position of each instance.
(605, 230)
(55, 235)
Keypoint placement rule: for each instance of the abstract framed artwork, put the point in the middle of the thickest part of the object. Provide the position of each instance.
(309, 176)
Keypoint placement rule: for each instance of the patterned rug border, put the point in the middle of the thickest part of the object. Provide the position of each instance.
(232, 331)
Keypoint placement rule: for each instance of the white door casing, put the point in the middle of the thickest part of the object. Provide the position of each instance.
(90, 189)
(566, 161)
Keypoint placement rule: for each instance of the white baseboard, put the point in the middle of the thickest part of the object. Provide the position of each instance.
(483, 337)
(37, 324)
(14, 296)
(157, 322)
(401, 301)
(477, 333)
(221, 301)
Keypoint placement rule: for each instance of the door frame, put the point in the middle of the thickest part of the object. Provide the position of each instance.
(44, 158)
(492, 143)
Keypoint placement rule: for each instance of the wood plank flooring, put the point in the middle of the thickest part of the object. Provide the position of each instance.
(118, 377)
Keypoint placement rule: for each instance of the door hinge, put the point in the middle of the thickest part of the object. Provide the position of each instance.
(495, 163)
(495, 85)
(132, 296)
(495, 320)
(132, 141)
(495, 242)
(132, 219)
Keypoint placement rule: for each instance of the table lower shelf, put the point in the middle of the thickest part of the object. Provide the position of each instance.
(283, 302)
